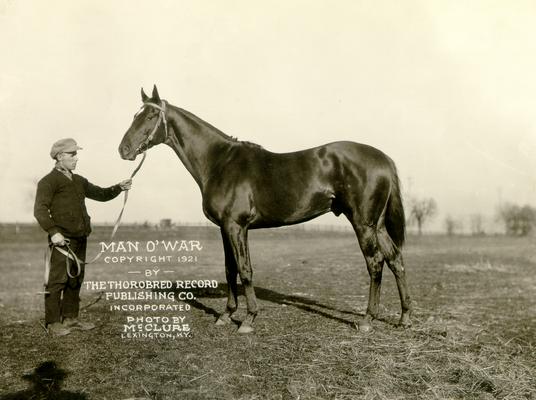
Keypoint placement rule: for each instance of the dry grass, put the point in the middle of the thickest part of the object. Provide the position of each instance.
(473, 335)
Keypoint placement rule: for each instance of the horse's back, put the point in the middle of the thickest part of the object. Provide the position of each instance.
(352, 151)
(322, 166)
(296, 186)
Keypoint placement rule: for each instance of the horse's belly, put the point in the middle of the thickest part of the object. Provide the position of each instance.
(285, 207)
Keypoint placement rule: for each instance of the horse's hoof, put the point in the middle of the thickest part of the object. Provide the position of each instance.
(223, 320)
(364, 326)
(245, 329)
(404, 322)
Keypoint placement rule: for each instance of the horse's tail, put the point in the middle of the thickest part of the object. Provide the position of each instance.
(391, 239)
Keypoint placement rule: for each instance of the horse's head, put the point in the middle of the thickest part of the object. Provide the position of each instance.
(148, 128)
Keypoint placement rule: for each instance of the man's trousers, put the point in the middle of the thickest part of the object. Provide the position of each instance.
(63, 297)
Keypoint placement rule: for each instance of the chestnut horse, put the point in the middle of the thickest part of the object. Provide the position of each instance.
(247, 187)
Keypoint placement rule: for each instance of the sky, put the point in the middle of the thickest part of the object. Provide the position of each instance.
(446, 88)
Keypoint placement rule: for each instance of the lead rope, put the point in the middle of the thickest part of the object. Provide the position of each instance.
(70, 255)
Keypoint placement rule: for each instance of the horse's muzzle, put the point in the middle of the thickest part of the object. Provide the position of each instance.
(126, 153)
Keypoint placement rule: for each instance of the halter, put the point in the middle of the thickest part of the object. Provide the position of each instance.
(161, 118)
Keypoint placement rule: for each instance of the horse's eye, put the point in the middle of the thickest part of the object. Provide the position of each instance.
(150, 117)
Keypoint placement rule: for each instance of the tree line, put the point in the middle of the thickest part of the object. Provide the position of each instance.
(516, 220)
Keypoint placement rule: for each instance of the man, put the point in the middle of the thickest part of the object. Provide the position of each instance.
(61, 211)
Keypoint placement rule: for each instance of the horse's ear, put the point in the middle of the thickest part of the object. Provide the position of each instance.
(156, 96)
(144, 97)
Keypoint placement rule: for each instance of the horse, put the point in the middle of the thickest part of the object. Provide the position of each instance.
(245, 187)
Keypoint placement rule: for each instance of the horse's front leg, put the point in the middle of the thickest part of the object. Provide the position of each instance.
(231, 272)
(238, 239)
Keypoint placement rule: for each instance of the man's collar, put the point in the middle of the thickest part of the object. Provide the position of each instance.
(64, 170)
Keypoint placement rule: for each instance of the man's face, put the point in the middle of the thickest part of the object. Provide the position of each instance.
(68, 160)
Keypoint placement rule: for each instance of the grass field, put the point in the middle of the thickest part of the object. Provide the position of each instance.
(473, 335)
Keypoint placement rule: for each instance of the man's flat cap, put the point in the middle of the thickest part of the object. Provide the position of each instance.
(64, 146)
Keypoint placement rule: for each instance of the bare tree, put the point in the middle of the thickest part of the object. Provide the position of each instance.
(518, 221)
(452, 225)
(421, 211)
(477, 223)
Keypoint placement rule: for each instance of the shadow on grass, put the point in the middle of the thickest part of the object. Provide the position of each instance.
(46, 381)
(300, 302)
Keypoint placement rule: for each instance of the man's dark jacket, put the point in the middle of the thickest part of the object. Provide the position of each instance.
(60, 203)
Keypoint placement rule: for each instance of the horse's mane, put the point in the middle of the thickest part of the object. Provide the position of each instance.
(202, 122)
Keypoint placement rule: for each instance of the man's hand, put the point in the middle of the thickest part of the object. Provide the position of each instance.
(126, 184)
(58, 239)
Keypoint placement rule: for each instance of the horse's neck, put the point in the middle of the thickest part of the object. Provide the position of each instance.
(194, 140)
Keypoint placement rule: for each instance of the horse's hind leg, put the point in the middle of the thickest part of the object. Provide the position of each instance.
(231, 272)
(377, 247)
(368, 241)
(396, 264)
